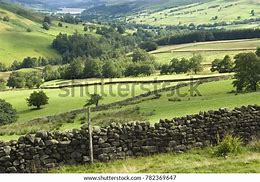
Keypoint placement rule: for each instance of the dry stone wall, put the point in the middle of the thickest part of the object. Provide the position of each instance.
(43, 150)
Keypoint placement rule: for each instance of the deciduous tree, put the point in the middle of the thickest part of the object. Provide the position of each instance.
(37, 99)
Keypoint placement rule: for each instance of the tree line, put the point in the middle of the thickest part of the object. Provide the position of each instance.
(29, 62)
(212, 35)
(183, 65)
(139, 63)
(78, 45)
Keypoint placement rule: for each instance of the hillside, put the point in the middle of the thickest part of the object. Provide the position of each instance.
(117, 8)
(213, 12)
(23, 36)
(88, 3)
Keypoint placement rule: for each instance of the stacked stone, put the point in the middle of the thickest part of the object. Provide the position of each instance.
(44, 150)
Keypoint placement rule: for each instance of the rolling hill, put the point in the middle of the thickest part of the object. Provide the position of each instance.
(246, 12)
(118, 8)
(23, 36)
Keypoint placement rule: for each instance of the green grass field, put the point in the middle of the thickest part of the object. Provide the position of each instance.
(17, 43)
(209, 50)
(74, 100)
(214, 95)
(195, 161)
(201, 13)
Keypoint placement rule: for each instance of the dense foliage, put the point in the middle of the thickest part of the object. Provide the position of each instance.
(21, 80)
(213, 35)
(30, 62)
(37, 99)
(76, 45)
(7, 113)
(222, 65)
(148, 46)
(183, 66)
(140, 63)
(247, 72)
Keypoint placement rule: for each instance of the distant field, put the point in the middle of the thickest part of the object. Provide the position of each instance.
(209, 50)
(197, 13)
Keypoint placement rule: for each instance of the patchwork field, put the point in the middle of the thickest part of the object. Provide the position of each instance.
(210, 96)
(209, 50)
(75, 97)
(214, 95)
(201, 13)
(22, 35)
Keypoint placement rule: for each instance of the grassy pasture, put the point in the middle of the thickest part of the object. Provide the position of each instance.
(201, 13)
(17, 46)
(214, 95)
(209, 50)
(17, 43)
(74, 97)
(194, 161)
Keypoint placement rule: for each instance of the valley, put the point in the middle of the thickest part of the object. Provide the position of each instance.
(166, 83)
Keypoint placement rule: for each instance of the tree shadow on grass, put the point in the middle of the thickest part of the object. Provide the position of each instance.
(29, 110)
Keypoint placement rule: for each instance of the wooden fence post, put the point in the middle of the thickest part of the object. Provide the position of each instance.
(90, 138)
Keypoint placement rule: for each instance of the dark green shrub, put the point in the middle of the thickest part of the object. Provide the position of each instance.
(6, 18)
(46, 26)
(29, 30)
(175, 99)
(7, 113)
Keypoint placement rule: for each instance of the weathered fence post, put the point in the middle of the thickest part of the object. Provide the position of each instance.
(90, 138)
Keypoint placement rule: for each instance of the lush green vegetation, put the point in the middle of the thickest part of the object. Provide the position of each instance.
(212, 35)
(7, 113)
(195, 161)
(209, 14)
(24, 32)
(37, 99)
(247, 68)
(74, 97)
(208, 50)
(115, 8)
(213, 96)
